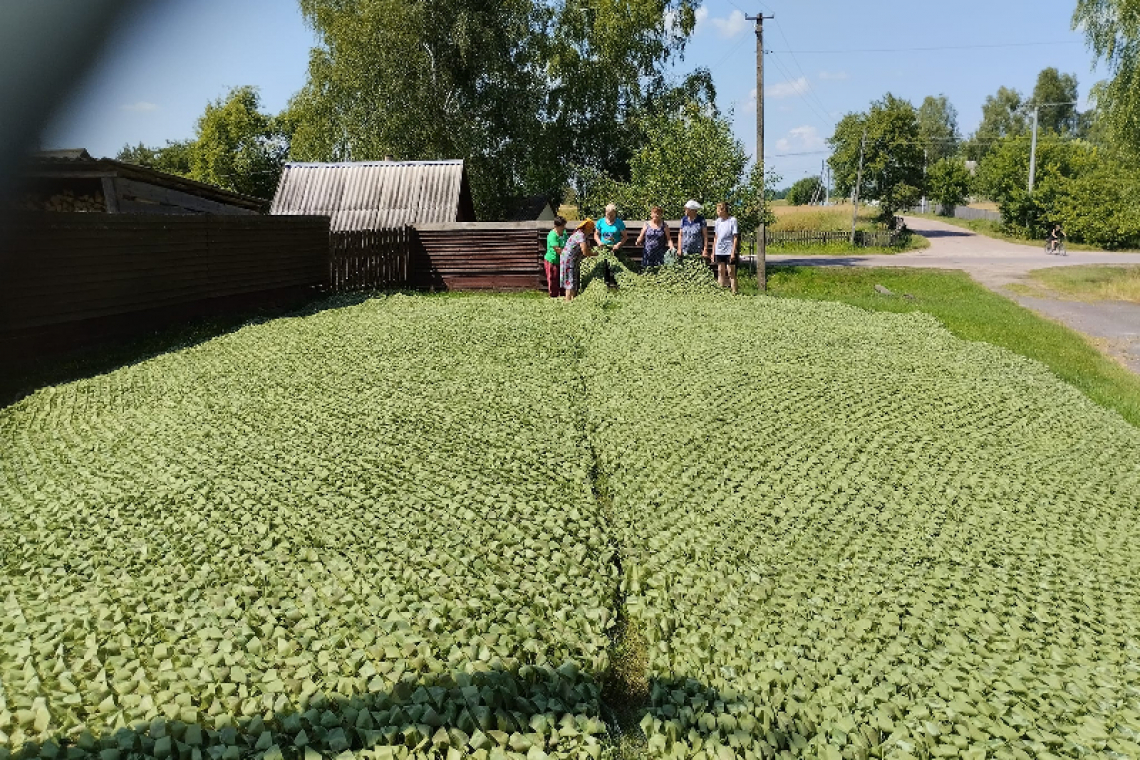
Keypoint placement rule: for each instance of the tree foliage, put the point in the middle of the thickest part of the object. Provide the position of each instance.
(1004, 176)
(1054, 87)
(520, 89)
(805, 191)
(948, 183)
(172, 158)
(691, 154)
(1112, 31)
(893, 160)
(236, 147)
(938, 127)
(1003, 115)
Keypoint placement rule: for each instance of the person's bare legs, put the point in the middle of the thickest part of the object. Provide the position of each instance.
(722, 275)
(732, 277)
(570, 295)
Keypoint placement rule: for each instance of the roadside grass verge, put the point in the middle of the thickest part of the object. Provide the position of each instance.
(971, 312)
(1092, 282)
(992, 228)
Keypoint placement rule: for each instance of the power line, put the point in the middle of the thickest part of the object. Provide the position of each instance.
(780, 29)
(934, 48)
(798, 90)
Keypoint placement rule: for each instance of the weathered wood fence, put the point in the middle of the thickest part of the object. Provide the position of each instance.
(369, 259)
(863, 238)
(67, 279)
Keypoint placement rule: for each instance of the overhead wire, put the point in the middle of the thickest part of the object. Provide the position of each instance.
(933, 48)
(796, 61)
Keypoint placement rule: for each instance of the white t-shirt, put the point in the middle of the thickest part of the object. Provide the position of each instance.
(726, 229)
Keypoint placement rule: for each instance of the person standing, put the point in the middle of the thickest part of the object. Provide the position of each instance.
(655, 236)
(693, 239)
(727, 247)
(555, 242)
(577, 247)
(610, 231)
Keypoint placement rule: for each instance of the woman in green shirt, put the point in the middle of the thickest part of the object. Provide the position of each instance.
(555, 242)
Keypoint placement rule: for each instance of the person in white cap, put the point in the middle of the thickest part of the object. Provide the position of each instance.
(694, 235)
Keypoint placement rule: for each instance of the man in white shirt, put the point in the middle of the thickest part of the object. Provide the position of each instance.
(726, 249)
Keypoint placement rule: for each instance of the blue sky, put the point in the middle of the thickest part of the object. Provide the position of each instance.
(168, 61)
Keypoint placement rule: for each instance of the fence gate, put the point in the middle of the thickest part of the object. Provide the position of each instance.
(369, 259)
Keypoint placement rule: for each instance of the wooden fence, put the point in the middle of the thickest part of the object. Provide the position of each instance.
(863, 238)
(369, 259)
(69, 279)
(479, 256)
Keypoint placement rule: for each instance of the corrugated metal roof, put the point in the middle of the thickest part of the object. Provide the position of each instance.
(370, 195)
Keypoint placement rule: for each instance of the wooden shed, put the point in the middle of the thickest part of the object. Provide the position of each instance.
(71, 180)
(376, 195)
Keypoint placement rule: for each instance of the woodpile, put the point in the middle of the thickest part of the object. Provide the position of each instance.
(66, 201)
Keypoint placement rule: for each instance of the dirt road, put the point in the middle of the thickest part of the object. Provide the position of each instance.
(997, 264)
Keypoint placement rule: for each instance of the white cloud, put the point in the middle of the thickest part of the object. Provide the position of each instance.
(834, 75)
(140, 107)
(731, 26)
(788, 89)
(801, 140)
(702, 15)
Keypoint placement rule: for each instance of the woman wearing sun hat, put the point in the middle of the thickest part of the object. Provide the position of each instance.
(694, 235)
(577, 247)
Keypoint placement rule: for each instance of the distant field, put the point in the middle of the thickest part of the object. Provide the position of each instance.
(826, 218)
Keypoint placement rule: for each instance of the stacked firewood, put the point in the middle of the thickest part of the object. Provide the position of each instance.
(64, 201)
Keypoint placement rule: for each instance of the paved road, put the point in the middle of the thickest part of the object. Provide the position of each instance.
(996, 264)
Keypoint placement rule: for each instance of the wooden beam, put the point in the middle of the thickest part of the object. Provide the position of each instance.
(110, 195)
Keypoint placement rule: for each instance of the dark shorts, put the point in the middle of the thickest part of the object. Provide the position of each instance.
(723, 259)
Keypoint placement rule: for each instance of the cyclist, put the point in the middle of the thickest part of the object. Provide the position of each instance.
(1056, 237)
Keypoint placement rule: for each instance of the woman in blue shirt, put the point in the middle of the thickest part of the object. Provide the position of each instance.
(610, 231)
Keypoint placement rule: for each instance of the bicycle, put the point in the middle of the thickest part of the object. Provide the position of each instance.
(1056, 247)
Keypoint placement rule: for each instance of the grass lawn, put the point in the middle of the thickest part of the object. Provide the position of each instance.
(1093, 282)
(969, 311)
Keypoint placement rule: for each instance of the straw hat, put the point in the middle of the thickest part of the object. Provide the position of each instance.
(587, 225)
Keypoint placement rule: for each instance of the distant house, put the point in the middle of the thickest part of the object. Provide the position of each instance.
(532, 209)
(376, 195)
(73, 181)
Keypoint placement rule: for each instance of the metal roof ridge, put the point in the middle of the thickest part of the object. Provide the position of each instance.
(343, 164)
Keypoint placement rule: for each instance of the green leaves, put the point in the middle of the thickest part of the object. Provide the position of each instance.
(249, 566)
(376, 530)
(850, 534)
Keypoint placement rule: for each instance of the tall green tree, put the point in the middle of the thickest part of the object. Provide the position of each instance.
(520, 89)
(938, 127)
(893, 158)
(1004, 176)
(1003, 114)
(239, 147)
(1112, 31)
(948, 183)
(1055, 87)
(805, 191)
(236, 147)
(687, 154)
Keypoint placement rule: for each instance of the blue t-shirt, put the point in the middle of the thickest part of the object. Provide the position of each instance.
(610, 234)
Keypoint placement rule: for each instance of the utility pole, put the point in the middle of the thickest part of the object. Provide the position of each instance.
(1033, 151)
(761, 257)
(858, 182)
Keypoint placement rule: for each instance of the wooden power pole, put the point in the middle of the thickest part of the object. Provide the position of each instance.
(761, 258)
